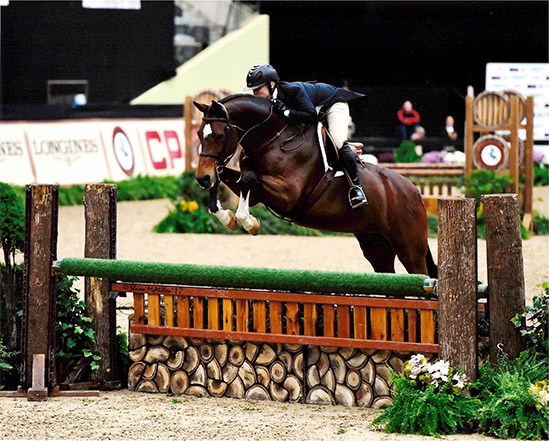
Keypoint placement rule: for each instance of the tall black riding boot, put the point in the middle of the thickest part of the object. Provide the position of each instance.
(348, 160)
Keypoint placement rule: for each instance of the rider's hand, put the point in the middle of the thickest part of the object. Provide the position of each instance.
(280, 108)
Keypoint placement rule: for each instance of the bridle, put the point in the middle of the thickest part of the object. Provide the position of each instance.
(228, 125)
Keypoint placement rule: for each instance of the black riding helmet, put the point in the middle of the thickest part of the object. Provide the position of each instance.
(259, 75)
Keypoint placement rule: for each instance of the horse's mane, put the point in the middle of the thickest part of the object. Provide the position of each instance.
(259, 104)
(245, 96)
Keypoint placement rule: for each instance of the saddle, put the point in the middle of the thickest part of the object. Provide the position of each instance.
(330, 153)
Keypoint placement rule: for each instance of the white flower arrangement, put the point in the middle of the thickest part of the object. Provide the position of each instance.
(438, 374)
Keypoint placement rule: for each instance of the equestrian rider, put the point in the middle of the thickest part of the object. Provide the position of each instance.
(300, 102)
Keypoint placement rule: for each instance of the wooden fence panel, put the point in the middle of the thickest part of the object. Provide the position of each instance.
(260, 316)
(275, 309)
(183, 313)
(198, 312)
(343, 321)
(213, 314)
(309, 318)
(329, 320)
(228, 312)
(154, 310)
(242, 315)
(292, 318)
(379, 323)
(168, 311)
(397, 324)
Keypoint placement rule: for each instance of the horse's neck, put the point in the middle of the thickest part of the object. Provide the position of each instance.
(256, 121)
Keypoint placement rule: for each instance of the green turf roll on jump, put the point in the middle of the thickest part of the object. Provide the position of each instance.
(246, 277)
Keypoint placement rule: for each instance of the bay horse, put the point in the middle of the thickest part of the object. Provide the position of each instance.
(283, 167)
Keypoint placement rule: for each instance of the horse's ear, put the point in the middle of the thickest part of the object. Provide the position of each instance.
(219, 109)
(202, 107)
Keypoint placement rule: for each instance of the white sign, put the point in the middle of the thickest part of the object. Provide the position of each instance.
(87, 151)
(530, 79)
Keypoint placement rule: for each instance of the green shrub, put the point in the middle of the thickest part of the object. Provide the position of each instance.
(534, 322)
(146, 188)
(74, 335)
(123, 357)
(432, 225)
(541, 175)
(486, 182)
(541, 224)
(510, 408)
(134, 189)
(12, 241)
(429, 399)
(406, 152)
(71, 195)
(6, 363)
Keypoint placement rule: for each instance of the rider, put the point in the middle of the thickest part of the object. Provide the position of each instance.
(300, 102)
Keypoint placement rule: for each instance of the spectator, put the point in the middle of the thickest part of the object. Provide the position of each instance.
(449, 131)
(418, 134)
(408, 120)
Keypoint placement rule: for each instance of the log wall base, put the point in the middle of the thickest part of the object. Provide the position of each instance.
(263, 371)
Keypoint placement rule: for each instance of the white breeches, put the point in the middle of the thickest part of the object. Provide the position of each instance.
(338, 117)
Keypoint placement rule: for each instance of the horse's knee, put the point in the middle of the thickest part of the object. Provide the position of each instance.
(248, 181)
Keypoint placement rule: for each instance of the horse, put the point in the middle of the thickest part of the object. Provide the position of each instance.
(284, 167)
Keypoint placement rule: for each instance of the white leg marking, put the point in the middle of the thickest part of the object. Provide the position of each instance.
(222, 214)
(243, 213)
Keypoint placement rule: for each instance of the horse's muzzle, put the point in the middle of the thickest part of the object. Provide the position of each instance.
(205, 181)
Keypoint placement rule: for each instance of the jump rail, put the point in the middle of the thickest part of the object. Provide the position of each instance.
(322, 308)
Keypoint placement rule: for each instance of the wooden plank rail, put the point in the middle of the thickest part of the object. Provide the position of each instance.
(314, 319)
(432, 180)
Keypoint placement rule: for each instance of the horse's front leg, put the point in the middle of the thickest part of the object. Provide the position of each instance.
(226, 217)
(252, 225)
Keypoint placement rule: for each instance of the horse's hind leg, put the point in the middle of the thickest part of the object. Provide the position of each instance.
(378, 252)
(412, 253)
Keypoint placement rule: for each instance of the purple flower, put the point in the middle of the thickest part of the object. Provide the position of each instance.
(433, 157)
(538, 156)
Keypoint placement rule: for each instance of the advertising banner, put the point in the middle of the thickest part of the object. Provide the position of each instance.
(89, 151)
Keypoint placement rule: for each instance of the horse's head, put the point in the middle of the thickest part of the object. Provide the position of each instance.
(219, 139)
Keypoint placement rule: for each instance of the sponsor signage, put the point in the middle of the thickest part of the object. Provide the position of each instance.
(530, 79)
(87, 151)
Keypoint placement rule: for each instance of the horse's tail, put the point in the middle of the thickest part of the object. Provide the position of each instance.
(432, 269)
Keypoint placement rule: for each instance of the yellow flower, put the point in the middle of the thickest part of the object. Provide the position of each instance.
(192, 206)
(183, 205)
(541, 391)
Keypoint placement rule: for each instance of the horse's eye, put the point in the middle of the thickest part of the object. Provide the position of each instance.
(219, 137)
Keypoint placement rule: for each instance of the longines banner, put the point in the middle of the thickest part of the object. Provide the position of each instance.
(88, 151)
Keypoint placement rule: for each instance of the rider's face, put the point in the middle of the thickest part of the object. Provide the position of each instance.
(262, 91)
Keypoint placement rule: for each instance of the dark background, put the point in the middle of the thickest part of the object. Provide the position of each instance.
(427, 52)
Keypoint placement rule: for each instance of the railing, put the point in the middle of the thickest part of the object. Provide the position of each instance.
(281, 317)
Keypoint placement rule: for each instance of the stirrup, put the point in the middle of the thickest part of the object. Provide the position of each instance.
(357, 196)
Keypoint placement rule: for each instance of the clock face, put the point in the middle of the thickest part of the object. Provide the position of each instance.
(491, 152)
(491, 155)
(123, 151)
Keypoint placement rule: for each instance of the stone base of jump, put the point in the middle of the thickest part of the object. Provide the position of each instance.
(262, 371)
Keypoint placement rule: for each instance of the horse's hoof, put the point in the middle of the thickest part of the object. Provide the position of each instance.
(256, 228)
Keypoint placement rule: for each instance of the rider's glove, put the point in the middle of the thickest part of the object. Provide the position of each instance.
(281, 109)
